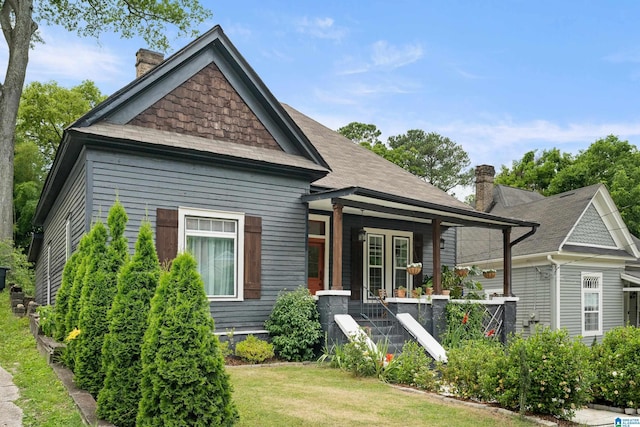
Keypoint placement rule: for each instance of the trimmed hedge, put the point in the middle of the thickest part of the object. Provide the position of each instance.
(184, 382)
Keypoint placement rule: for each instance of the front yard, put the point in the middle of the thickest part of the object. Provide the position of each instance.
(309, 395)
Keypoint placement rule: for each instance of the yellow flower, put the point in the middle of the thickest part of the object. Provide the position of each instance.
(73, 335)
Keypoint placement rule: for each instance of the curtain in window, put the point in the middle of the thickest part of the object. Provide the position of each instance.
(216, 263)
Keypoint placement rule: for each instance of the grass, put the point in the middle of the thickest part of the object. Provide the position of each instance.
(311, 395)
(43, 398)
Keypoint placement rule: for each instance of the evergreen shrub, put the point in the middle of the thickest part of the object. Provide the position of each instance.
(119, 398)
(183, 382)
(294, 325)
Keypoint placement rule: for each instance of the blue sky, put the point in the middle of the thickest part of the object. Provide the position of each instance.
(499, 78)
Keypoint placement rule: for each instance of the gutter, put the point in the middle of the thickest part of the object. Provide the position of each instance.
(557, 276)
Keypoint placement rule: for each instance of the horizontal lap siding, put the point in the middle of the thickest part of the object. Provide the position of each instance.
(571, 298)
(70, 201)
(144, 184)
(532, 285)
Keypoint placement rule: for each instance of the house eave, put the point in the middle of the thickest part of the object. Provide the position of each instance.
(357, 199)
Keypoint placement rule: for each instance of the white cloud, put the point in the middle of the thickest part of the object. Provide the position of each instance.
(322, 28)
(389, 56)
(624, 56)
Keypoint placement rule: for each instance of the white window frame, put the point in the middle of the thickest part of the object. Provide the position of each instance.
(67, 238)
(583, 292)
(49, 273)
(394, 267)
(389, 258)
(184, 212)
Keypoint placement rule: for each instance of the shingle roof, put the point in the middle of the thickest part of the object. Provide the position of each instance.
(160, 138)
(355, 166)
(555, 214)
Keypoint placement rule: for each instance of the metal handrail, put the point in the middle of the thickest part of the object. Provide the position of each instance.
(387, 314)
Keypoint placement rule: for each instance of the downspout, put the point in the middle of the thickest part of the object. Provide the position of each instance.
(557, 275)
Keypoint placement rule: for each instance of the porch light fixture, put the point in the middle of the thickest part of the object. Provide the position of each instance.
(441, 243)
(362, 233)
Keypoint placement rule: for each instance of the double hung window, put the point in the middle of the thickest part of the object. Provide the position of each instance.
(591, 304)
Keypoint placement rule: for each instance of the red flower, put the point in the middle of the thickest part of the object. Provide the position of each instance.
(465, 319)
(389, 357)
(491, 333)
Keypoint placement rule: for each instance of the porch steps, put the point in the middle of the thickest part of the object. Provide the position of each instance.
(381, 330)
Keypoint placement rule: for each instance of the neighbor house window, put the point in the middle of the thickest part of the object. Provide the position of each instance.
(215, 239)
(591, 304)
(49, 273)
(67, 238)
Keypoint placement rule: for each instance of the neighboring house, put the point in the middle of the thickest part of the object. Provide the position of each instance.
(577, 272)
(266, 198)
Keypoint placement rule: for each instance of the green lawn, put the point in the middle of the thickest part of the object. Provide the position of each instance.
(317, 396)
(43, 399)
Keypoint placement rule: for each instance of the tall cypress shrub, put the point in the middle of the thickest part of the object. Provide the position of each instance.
(63, 297)
(87, 363)
(93, 313)
(73, 303)
(184, 382)
(119, 398)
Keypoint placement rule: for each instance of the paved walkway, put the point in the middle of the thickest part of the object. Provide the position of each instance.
(596, 417)
(10, 414)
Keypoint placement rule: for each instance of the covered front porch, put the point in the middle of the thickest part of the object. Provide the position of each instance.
(363, 241)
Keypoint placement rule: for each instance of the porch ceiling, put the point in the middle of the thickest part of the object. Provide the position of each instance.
(355, 200)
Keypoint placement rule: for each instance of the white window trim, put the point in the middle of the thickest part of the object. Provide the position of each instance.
(583, 291)
(49, 273)
(327, 239)
(213, 214)
(388, 257)
(67, 238)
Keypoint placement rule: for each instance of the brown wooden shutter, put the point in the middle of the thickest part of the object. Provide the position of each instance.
(252, 257)
(166, 234)
(356, 265)
(417, 257)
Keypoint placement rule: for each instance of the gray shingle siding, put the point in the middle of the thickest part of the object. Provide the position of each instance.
(144, 184)
(70, 203)
(591, 230)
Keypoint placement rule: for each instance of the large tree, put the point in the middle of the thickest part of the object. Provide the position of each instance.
(364, 134)
(45, 110)
(535, 172)
(435, 158)
(18, 21)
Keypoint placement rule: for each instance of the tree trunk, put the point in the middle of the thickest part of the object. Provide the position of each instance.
(17, 27)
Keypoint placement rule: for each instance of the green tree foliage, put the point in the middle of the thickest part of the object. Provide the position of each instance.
(91, 319)
(18, 21)
(184, 382)
(21, 270)
(96, 302)
(63, 297)
(121, 353)
(45, 110)
(366, 135)
(434, 158)
(294, 325)
(609, 161)
(534, 172)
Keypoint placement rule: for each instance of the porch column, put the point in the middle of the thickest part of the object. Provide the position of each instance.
(336, 278)
(506, 255)
(435, 240)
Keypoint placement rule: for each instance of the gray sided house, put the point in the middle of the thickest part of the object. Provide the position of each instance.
(578, 271)
(265, 198)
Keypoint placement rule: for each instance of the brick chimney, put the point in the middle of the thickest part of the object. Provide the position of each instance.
(146, 60)
(484, 187)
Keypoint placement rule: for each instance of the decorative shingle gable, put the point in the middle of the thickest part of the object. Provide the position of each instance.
(207, 106)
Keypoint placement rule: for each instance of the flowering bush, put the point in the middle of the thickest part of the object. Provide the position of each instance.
(617, 368)
(547, 373)
(413, 368)
(464, 322)
(468, 364)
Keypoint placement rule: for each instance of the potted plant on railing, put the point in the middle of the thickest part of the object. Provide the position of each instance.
(414, 268)
(417, 292)
(401, 292)
(489, 273)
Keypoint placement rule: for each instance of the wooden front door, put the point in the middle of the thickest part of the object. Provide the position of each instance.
(315, 266)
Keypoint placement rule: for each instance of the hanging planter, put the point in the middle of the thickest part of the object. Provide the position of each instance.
(414, 268)
(489, 274)
(462, 271)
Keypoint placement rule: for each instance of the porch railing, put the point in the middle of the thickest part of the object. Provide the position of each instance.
(381, 321)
